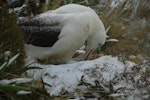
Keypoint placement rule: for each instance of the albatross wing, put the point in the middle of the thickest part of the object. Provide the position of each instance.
(42, 30)
(40, 36)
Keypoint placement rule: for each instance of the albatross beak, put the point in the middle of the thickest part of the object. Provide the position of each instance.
(91, 54)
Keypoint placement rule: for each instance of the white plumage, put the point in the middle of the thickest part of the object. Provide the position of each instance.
(77, 23)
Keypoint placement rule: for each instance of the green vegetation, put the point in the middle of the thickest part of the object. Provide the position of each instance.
(11, 41)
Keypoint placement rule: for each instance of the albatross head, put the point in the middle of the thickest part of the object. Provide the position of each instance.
(95, 40)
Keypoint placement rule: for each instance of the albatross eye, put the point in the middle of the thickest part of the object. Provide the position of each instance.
(99, 44)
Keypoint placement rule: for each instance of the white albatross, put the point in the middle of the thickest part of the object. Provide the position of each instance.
(54, 36)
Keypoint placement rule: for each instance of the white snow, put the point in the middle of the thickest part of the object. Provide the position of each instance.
(67, 77)
(17, 9)
(23, 92)
(15, 80)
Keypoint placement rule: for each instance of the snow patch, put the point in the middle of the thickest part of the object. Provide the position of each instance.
(15, 80)
(66, 77)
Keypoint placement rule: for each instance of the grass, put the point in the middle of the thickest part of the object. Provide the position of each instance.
(11, 41)
(12, 65)
(129, 28)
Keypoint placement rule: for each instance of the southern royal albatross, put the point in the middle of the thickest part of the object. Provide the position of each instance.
(55, 35)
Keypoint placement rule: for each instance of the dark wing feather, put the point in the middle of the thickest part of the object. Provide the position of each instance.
(40, 36)
(40, 21)
(41, 30)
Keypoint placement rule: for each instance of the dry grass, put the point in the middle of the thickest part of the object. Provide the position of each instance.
(130, 27)
(52, 4)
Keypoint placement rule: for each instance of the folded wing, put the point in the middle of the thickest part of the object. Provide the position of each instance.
(42, 30)
(40, 36)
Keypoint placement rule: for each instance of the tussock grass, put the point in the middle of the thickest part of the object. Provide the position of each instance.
(51, 4)
(130, 25)
(11, 43)
(10, 40)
